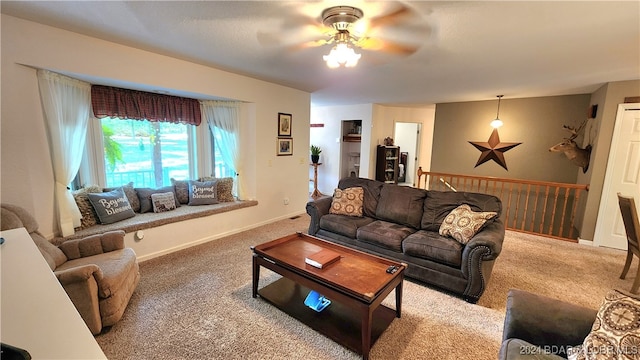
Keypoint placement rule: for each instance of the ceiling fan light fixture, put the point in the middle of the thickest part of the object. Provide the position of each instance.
(341, 55)
(342, 18)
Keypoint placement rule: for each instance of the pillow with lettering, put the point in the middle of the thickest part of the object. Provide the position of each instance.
(203, 192)
(163, 202)
(111, 206)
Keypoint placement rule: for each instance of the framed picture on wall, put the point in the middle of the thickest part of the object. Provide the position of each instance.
(284, 146)
(284, 124)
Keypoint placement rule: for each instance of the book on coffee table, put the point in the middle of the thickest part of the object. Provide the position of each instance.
(322, 258)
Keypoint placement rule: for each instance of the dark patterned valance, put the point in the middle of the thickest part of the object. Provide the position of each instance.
(140, 105)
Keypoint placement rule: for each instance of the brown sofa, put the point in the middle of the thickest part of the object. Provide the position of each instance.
(98, 273)
(402, 223)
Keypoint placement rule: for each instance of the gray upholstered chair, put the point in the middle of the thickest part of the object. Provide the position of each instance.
(98, 273)
(632, 228)
(538, 327)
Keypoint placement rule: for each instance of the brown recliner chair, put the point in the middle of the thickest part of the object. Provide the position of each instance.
(98, 273)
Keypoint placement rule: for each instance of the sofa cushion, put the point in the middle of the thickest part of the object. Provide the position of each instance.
(439, 204)
(371, 190)
(431, 246)
(347, 202)
(144, 194)
(343, 225)
(115, 265)
(93, 244)
(401, 204)
(385, 234)
(203, 192)
(111, 206)
(462, 224)
(616, 331)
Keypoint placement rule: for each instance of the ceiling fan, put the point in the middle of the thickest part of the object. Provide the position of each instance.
(347, 29)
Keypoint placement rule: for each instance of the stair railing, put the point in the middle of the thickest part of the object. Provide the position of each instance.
(529, 206)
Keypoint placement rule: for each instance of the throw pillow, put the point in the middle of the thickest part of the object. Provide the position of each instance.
(144, 194)
(111, 206)
(462, 223)
(182, 190)
(132, 196)
(616, 331)
(203, 193)
(163, 202)
(89, 216)
(347, 202)
(225, 188)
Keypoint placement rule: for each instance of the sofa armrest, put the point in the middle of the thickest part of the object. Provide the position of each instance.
(544, 321)
(79, 274)
(81, 285)
(316, 209)
(93, 245)
(478, 257)
(491, 236)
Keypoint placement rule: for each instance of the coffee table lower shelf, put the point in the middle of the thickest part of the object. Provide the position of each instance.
(337, 322)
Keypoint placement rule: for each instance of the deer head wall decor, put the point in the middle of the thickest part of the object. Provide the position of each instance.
(577, 155)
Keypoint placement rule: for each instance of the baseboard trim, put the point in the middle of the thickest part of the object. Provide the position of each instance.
(585, 242)
(144, 258)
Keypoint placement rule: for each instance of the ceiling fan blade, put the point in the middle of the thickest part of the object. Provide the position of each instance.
(386, 46)
(390, 18)
(301, 37)
(310, 44)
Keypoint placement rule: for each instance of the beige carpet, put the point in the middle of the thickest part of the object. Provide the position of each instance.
(197, 304)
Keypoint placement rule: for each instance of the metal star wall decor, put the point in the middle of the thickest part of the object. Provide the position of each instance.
(493, 149)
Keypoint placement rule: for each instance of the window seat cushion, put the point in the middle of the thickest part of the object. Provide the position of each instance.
(150, 220)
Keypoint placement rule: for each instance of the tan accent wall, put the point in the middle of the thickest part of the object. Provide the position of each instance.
(535, 122)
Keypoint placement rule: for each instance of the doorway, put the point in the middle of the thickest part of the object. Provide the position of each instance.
(350, 148)
(407, 137)
(622, 175)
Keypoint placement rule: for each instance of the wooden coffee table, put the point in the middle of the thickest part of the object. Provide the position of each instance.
(356, 285)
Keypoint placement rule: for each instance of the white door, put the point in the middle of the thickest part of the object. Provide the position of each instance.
(622, 175)
(407, 136)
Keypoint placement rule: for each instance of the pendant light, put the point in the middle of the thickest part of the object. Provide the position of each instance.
(496, 123)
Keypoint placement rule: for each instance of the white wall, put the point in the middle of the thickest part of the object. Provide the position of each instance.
(377, 124)
(329, 139)
(26, 174)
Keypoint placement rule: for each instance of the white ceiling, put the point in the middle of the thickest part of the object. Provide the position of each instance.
(470, 50)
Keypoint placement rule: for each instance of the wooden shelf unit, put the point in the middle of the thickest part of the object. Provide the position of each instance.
(387, 160)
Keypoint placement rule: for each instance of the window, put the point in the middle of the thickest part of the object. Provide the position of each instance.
(149, 138)
(146, 153)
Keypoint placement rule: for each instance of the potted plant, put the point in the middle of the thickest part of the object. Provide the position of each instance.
(315, 154)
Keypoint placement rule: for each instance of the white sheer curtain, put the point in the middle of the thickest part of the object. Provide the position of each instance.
(223, 118)
(66, 103)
